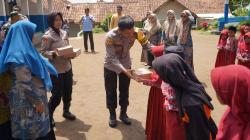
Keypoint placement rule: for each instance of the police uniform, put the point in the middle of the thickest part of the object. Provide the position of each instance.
(116, 60)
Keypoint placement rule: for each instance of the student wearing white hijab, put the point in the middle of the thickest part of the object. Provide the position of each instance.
(170, 29)
(152, 31)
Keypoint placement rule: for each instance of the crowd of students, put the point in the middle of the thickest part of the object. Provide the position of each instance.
(231, 48)
(179, 108)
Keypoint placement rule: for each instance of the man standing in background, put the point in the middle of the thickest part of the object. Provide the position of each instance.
(88, 23)
(116, 17)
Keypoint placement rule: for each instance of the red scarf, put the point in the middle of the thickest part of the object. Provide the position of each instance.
(158, 50)
(222, 42)
(242, 30)
(242, 33)
(232, 85)
(243, 46)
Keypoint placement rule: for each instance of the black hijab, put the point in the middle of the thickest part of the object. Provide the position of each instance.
(174, 70)
(51, 20)
(174, 49)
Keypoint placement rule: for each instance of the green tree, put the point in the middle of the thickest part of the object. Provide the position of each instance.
(105, 23)
(237, 7)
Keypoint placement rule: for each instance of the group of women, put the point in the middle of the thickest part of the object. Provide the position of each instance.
(172, 32)
(178, 106)
(27, 77)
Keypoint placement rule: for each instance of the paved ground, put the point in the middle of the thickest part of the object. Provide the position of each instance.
(89, 95)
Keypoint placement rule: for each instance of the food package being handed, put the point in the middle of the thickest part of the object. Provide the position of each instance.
(142, 73)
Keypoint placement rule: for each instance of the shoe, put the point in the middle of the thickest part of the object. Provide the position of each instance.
(124, 117)
(93, 51)
(86, 51)
(112, 118)
(112, 123)
(68, 115)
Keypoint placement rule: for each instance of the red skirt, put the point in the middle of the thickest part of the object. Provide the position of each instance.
(160, 123)
(156, 116)
(175, 127)
(225, 58)
(247, 64)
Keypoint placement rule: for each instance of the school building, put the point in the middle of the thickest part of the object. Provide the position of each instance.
(35, 10)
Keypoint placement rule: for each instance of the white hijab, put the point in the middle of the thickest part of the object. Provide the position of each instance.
(185, 27)
(152, 26)
(170, 26)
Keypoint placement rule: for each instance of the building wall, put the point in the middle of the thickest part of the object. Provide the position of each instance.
(2, 10)
(100, 10)
(34, 7)
(35, 10)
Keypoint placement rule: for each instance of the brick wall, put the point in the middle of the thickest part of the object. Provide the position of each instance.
(135, 8)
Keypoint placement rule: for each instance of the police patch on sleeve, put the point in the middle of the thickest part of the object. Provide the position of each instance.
(109, 41)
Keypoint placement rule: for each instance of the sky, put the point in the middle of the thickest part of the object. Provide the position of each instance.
(87, 1)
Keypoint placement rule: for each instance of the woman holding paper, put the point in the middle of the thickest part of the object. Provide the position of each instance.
(54, 39)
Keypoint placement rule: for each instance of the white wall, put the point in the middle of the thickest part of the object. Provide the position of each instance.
(36, 7)
(2, 8)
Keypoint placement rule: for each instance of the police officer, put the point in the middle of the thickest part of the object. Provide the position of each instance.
(118, 64)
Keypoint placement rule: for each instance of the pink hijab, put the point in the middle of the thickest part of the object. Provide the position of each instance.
(242, 32)
(222, 42)
(232, 85)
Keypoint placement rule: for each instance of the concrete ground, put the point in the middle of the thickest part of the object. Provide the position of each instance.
(88, 101)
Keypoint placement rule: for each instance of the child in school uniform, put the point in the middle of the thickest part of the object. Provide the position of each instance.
(243, 52)
(163, 121)
(194, 104)
(227, 47)
(232, 84)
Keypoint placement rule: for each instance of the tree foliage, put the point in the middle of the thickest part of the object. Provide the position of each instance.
(105, 23)
(238, 7)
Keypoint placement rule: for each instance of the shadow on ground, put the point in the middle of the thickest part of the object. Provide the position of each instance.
(133, 132)
(77, 129)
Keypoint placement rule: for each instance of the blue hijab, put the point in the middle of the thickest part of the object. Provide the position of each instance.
(18, 49)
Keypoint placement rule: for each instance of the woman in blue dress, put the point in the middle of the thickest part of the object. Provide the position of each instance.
(30, 82)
